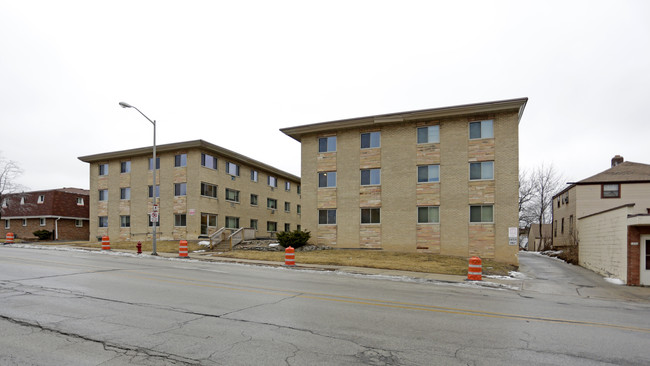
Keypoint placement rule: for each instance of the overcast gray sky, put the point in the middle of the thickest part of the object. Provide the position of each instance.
(234, 72)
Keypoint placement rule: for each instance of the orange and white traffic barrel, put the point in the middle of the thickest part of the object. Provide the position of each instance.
(475, 271)
(289, 257)
(182, 249)
(106, 243)
(10, 238)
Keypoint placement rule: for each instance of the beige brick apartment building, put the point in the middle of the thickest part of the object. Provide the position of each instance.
(441, 180)
(202, 187)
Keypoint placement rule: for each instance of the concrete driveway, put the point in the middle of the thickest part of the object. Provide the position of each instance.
(547, 275)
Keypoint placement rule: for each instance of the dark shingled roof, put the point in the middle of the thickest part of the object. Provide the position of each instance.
(626, 172)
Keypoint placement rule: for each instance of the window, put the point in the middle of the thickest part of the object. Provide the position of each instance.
(611, 191)
(327, 144)
(79, 223)
(180, 160)
(428, 215)
(483, 170)
(103, 194)
(273, 181)
(428, 173)
(151, 163)
(271, 226)
(7, 224)
(80, 201)
(208, 161)
(41, 199)
(298, 189)
(370, 140)
(232, 169)
(125, 193)
(287, 186)
(253, 199)
(298, 227)
(125, 167)
(102, 220)
(208, 190)
(24, 222)
(481, 213)
(232, 222)
(481, 130)
(562, 226)
(208, 221)
(327, 179)
(125, 221)
(4, 203)
(370, 215)
(298, 209)
(22, 200)
(271, 203)
(232, 195)
(287, 227)
(370, 177)
(180, 220)
(254, 175)
(571, 225)
(429, 134)
(287, 206)
(180, 189)
(327, 217)
(253, 224)
(555, 229)
(157, 191)
(103, 169)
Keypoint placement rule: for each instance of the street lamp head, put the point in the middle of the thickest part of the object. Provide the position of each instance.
(125, 105)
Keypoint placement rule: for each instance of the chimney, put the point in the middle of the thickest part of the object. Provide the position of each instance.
(617, 160)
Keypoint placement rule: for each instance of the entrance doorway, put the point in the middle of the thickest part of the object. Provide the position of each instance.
(644, 270)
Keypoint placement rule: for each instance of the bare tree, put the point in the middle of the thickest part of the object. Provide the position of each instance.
(546, 182)
(526, 195)
(9, 172)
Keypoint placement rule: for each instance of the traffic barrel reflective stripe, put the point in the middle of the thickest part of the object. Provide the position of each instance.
(10, 238)
(289, 257)
(106, 243)
(182, 249)
(475, 270)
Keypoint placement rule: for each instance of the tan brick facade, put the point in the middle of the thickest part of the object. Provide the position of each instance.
(193, 204)
(399, 194)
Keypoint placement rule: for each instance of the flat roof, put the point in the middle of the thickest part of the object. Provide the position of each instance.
(411, 116)
(195, 144)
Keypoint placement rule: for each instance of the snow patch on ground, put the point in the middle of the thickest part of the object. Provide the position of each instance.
(614, 281)
(512, 275)
(204, 243)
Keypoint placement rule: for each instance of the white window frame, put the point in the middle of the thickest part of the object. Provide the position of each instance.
(42, 221)
(482, 207)
(272, 181)
(80, 201)
(24, 222)
(232, 169)
(22, 200)
(429, 221)
(369, 214)
(78, 223)
(41, 199)
(327, 212)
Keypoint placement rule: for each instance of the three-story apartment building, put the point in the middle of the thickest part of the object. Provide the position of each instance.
(441, 180)
(201, 187)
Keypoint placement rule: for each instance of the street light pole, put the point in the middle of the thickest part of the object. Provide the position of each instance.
(155, 197)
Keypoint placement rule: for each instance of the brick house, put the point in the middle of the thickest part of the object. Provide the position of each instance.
(607, 217)
(442, 180)
(64, 212)
(201, 187)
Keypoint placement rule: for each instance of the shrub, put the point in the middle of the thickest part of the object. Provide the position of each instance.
(295, 239)
(42, 234)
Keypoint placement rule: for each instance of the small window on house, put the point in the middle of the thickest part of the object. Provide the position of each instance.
(298, 227)
(428, 173)
(481, 213)
(103, 169)
(4, 203)
(125, 193)
(22, 200)
(327, 217)
(125, 221)
(562, 226)
(41, 199)
(481, 130)
(298, 209)
(232, 222)
(254, 199)
(273, 181)
(271, 226)
(481, 171)
(326, 179)
(327, 144)
(298, 189)
(370, 140)
(370, 177)
(103, 221)
(125, 167)
(208, 190)
(253, 224)
(287, 186)
(180, 220)
(232, 169)
(611, 191)
(429, 134)
(103, 194)
(180, 189)
(254, 175)
(428, 215)
(208, 161)
(232, 195)
(287, 206)
(7, 224)
(157, 163)
(180, 160)
(80, 201)
(287, 227)
(42, 221)
(370, 215)
(79, 223)
(271, 203)
(24, 222)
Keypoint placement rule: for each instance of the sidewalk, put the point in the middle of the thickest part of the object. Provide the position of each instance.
(500, 282)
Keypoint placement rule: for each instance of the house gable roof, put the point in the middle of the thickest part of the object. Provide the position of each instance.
(626, 172)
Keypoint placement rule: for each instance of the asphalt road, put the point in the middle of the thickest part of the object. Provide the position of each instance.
(80, 308)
